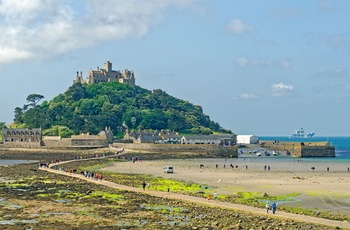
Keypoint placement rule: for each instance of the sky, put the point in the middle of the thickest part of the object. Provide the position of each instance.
(256, 67)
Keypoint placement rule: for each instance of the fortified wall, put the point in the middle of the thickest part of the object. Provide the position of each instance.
(302, 149)
(208, 149)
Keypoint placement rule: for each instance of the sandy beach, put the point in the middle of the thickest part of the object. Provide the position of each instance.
(319, 188)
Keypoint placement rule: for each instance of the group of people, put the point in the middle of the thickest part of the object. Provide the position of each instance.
(273, 207)
(231, 166)
(215, 196)
(148, 185)
(47, 164)
(267, 167)
(135, 159)
(92, 175)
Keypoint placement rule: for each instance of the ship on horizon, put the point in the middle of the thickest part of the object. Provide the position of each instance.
(301, 133)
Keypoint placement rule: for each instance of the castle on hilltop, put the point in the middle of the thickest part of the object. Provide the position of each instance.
(107, 75)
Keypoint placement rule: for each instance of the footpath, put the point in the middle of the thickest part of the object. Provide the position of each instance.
(198, 200)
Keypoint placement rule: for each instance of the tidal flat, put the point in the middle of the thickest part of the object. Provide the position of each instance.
(35, 199)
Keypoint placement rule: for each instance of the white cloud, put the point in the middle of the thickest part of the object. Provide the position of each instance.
(9, 54)
(245, 62)
(247, 96)
(236, 26)
(280, 89)
(44, 28)
(286, 64)
(242, 61)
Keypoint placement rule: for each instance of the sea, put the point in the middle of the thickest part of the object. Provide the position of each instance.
(341, 144)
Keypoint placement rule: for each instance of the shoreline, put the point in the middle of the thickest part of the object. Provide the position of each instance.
(319, 189)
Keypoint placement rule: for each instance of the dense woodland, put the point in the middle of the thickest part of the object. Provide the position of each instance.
(91, 108)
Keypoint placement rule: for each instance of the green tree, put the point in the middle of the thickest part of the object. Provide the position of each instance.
(18, 115)
(90, 108)
(33, 99)
(58, 130)
(2, 125)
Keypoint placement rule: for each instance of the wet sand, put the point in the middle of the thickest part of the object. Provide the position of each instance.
(319, 188)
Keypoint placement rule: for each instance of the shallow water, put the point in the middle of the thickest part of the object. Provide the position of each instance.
(14, 162)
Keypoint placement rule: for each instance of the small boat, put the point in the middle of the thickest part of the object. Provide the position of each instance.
(240, 151)
(255, 151)
(275, 153)
(267, 153)
(258, 154)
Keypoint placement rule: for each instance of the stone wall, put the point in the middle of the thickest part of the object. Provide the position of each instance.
(29, 145)
(317, 151)
(63, 143)
(303, 149)
(89, 142)
(212, 150)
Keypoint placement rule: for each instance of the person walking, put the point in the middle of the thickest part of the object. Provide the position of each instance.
(143, 185)
(274, 207)
(215, 196)
(148, 185)
(267, 206)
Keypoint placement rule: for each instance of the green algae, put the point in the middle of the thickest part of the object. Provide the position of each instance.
(332, 194)
(89, 212)
(69, 195)
(44, 195)
(96, 167)
(104, 195)
(229, 188)
(16, 184)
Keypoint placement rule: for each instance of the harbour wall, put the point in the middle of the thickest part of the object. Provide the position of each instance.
(302, 149)
(208, 150)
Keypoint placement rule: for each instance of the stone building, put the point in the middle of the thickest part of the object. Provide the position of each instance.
(107, 74)
(21, 135)
(144, 136)
(102, 139)
(168, 137)
(212, 139)
(171, 137)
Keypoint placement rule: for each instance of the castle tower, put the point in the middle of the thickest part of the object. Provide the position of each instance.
(78, 78)
(108, 66)
(107, 74)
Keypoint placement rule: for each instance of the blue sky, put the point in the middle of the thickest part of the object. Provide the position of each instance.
(256, 67)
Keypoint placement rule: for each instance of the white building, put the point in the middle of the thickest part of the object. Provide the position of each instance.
(218, 139)
(247, 139)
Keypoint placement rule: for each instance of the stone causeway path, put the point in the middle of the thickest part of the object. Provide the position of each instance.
(199, 200)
